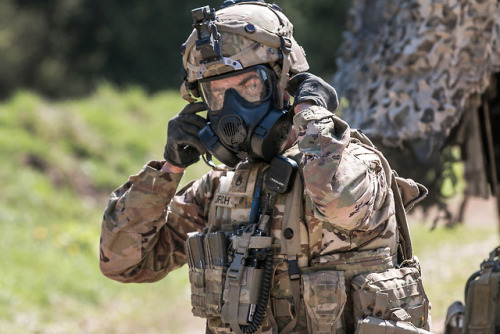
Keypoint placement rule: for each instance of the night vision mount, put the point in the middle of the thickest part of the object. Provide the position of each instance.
(209, 39)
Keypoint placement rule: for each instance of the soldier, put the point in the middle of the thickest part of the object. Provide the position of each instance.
(297, 231)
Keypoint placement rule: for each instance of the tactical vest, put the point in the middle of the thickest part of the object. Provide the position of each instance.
(309, 292)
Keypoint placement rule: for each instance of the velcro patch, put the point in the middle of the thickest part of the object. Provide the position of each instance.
(224, 200)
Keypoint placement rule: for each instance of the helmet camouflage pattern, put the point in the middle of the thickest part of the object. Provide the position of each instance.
(251, 33)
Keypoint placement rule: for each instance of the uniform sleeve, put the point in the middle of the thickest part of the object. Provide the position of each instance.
(344, 181)
(136, 243)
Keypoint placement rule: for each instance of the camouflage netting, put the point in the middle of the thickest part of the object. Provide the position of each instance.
(415, 73)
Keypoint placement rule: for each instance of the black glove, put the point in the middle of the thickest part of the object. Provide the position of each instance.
(308, 87)
(183, 146)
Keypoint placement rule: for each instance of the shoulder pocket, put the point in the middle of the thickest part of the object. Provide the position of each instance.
(411, 192)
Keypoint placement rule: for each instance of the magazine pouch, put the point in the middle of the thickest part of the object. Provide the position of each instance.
(196, 261)
(215, 246)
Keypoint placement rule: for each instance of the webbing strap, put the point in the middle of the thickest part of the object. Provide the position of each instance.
(234, 300)
(290, 243)
(286, 48)
(234, 277)
(403, 227)
(291, 219)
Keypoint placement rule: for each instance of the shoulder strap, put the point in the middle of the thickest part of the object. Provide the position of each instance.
(291, 219)
(290, 244)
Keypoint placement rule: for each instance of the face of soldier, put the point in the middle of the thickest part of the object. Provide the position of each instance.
(244, 118)
(252, 85)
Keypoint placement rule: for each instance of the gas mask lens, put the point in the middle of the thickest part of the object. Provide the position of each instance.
(252, 84)
(244, 121)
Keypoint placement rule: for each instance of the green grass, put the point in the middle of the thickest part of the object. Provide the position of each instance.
(61, 160)
(448, 257)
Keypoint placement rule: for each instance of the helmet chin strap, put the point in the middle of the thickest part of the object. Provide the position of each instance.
(286, 47)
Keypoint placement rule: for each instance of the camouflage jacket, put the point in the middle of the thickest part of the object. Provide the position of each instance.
(348, 205)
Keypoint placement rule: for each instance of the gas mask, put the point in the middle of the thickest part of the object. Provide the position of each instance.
(244, 121)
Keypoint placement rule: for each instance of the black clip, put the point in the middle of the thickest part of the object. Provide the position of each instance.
(286, 44)
(293, 269)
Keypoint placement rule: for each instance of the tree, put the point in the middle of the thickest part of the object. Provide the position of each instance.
(63, 48)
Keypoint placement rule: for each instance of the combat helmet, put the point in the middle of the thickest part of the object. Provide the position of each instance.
(239, 35)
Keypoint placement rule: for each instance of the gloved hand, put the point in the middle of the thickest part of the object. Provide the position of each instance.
(309, 87)
(183, 146)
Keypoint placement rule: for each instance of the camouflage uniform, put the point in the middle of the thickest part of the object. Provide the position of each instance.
(345, 219)
(348, 206)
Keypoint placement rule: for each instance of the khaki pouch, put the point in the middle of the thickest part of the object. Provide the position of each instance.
(215, 271)
(371, 325)
(196, 279)
(243, 282)
(324, 299)
(396, 294)
(207, 260)
(196, 262)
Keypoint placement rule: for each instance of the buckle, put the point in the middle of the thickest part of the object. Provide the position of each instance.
(234, 271)
(293, 269)
(286, 44)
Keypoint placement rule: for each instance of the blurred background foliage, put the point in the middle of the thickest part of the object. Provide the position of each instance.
(64, 48)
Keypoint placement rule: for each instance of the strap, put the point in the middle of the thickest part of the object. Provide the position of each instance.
(291, 219)
(233, 311)
(235, 275)
(403, 227)
(411, 192)
(286, 48)
(290, 243)
(381, 302)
